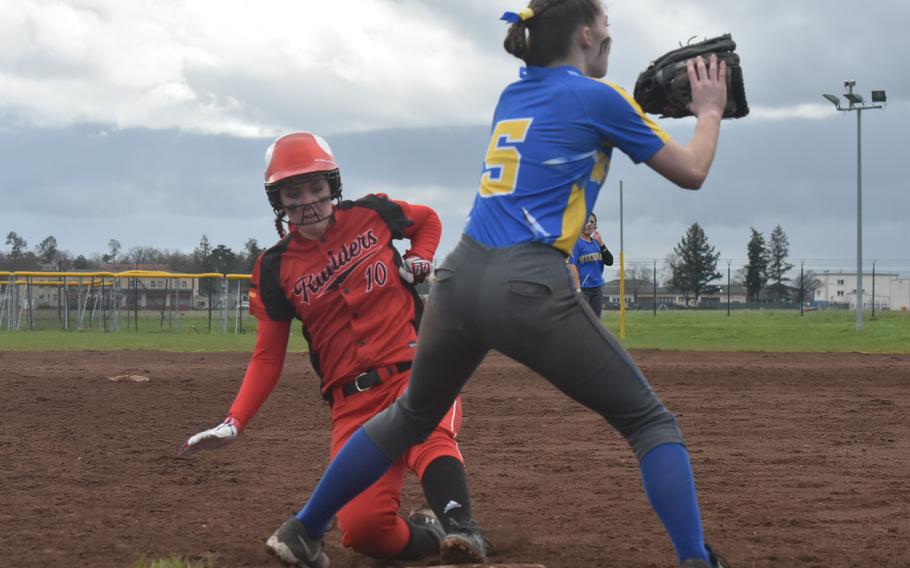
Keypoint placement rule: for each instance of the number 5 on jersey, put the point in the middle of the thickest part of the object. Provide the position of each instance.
(503, 158)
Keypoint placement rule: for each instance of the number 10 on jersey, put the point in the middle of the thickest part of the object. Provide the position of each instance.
(503, 158)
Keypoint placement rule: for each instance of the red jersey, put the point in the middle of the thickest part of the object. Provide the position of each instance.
(357, 313)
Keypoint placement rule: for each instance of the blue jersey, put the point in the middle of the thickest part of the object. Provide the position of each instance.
(587, 258)
(552, 140)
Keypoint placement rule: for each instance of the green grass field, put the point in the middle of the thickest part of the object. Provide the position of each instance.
(747, 330)
(174, 562)
(764, 330)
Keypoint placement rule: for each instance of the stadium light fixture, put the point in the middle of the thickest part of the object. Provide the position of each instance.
(858, 104)
(834, 100)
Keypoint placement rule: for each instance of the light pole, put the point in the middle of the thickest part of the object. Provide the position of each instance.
(856, 103)
(622, 273)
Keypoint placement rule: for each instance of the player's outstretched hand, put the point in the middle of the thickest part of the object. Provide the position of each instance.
(708, 84)
(220, 435)
(415, 269)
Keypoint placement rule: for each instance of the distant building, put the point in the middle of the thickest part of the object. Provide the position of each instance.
(641, 294)
(719, 295)
(82, 292)
(891, 292)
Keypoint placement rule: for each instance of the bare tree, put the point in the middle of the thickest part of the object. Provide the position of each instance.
(145, 255)
(638, 277)
(809, 283)
(114, 246)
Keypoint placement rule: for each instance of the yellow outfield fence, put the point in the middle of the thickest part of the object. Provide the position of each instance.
(132, 300)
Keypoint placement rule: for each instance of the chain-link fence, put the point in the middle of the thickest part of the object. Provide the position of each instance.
(156, 301)
(132, 301)
(647, 284)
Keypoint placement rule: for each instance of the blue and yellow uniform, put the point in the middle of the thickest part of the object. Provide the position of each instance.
(589, 260)
(550, 148)
(506, 287)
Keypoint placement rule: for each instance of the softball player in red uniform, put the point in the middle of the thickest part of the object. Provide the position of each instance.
(338, 273)
(506, 285)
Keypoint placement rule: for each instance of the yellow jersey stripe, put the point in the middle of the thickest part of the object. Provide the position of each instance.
(573, 219)
(664, 137)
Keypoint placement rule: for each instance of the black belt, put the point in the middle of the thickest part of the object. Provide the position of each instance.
(367, 380)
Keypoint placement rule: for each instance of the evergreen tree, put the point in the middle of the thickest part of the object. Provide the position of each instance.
(17, 245)
(47, 250)
(202, 255)
(202, 261)
(695, 264)
(778, 252)
(19, 258)
(678, 276)
(756, 270)
(252, 253)
(224, 260)
(82, 263)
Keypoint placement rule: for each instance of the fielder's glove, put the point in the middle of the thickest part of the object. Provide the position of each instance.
(220, 435)
(414, 269)
(663, 88)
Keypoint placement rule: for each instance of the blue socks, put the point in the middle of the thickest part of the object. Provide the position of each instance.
(358, 465)
(666, 474)
(667, 477)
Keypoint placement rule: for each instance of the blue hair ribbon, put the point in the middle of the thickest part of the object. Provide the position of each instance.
(521, 16)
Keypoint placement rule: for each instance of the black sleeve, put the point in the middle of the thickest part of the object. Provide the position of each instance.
(276, 304)
(388, 210)
(608, 257)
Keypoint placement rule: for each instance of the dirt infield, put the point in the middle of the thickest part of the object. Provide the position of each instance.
(800, 460)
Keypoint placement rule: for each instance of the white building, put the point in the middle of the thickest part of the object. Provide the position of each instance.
(887, 290)
(900, 294)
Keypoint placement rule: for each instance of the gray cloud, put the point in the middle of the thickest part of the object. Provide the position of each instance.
(166, 188)
(212, 67)
(148, 122)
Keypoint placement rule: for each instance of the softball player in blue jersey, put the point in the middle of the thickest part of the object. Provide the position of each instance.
(586, 265)
(506, 285)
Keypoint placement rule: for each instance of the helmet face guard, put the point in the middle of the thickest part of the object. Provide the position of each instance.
(274, 194)
(294, 156)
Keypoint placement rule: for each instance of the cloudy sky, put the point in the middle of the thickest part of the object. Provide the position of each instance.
(147, 121)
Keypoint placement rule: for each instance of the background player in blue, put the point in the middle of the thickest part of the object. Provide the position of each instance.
(506, 285)
(586, 264)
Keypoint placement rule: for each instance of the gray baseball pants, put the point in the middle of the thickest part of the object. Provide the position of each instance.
(520, 301)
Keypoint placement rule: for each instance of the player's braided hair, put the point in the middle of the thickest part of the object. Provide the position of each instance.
(279, 226)
(547, 36)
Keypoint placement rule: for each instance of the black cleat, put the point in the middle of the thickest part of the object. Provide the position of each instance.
(292, 545)
(426, 518)
(714, 561)
(463, 544)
